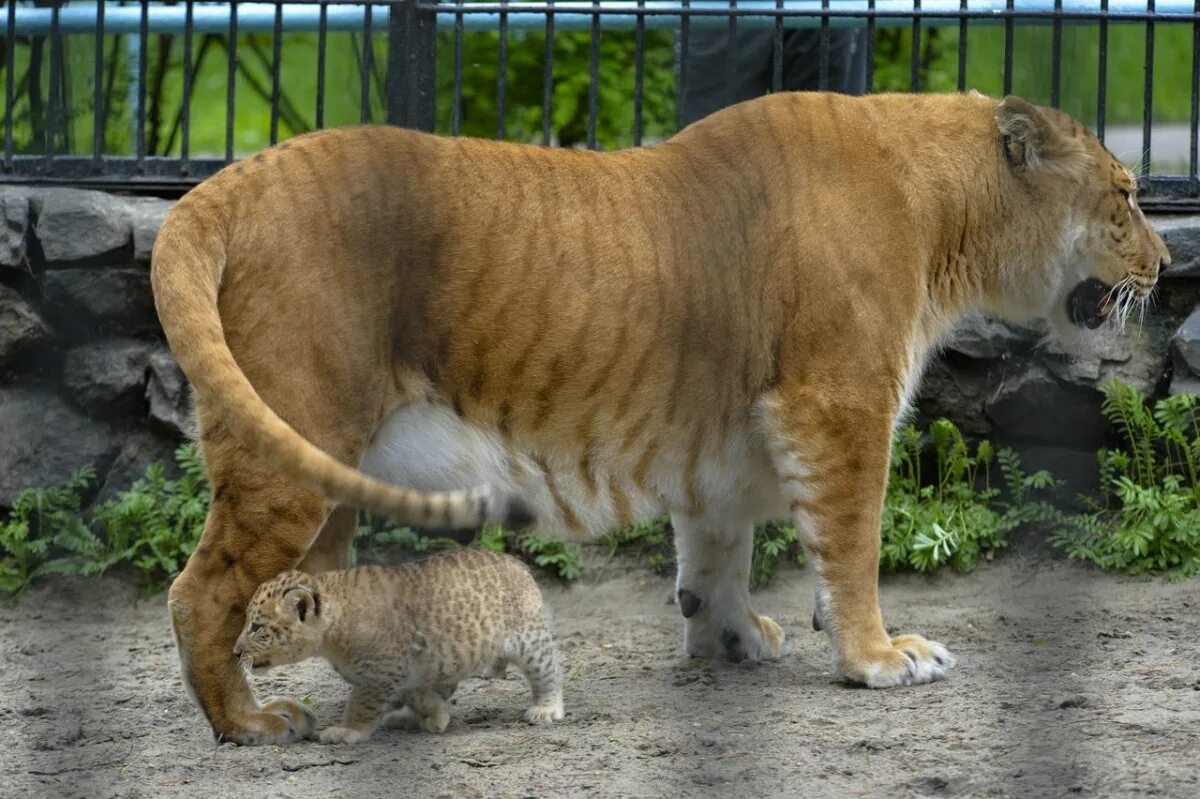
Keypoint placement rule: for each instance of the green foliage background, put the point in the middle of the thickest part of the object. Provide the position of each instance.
(526, 53)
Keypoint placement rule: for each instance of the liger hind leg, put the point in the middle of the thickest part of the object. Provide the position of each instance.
(334, 548)
(713, 589)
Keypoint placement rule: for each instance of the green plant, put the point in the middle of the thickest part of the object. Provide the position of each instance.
(1149, 517)
(374, 535)
(45, 534)
(649, 540)
(773, 542)
(156, 524)
(957, 516)
(557, 558)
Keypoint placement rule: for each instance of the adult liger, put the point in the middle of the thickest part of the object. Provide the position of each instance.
(724, 327)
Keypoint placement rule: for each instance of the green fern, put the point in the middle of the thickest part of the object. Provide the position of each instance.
(1149, 520)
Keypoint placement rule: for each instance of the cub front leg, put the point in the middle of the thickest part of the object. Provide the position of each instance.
(832, 459)
(367, 703)
(713, 589)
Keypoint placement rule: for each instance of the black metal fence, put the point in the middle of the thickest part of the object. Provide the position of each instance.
(126, 93)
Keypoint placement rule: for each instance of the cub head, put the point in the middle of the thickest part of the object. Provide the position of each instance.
(283, 622)
(1106, 258)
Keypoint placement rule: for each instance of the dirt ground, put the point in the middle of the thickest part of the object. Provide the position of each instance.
(1069, 682)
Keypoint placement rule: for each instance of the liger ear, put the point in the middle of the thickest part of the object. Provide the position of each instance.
(300, 602)
(1034, 142)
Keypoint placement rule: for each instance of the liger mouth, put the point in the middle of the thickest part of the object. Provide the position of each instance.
(1090, 303)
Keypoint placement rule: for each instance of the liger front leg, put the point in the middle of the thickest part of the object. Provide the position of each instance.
(832, 458)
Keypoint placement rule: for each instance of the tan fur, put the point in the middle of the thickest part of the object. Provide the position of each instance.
(404, 637)
(723, 326)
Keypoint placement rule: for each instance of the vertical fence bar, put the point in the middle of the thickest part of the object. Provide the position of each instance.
(870, 46)
(593, 76)
(548, 79)
(730, 52)
(502, 74)
(10, 46)
(185, 109)
(685, 31)
(366, 64)
(1102, 78)
(276, 65)
(1008, 47)
(231, 81)
(639, 73)
(962, 46)
(412, 65)
(1148, 92)
(97, 90)
(915, 82)
(777, 54)
(456, 96)
(1195, 154)
(143, 57)
(55, 85)
(823, 50)
(322, 43)
(1056, 56)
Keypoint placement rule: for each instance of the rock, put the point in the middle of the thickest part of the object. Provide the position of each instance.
(1185, 345)
(138, 451)
(955, 391)
(14, 222)
(109, 375)
(117, 299)
(82, 228)
(20, 324)
(1032, 405)
(147, 214)
(1182, 237)
(46, 441)
(979, 336)
(1185, 384)
(170, 403)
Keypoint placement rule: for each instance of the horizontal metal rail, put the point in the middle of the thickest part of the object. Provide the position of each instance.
(305, 16)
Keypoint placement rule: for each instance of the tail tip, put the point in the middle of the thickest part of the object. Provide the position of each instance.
(519, 514)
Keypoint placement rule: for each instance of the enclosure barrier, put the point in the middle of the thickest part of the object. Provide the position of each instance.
(45, 152)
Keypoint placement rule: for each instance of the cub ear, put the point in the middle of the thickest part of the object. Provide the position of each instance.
(1034, 142)
(300, 602)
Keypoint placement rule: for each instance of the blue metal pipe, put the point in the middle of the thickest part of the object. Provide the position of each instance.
(76, 18)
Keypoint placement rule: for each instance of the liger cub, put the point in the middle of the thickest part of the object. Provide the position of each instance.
(404, 636)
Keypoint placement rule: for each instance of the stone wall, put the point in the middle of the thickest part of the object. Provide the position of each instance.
(87, 380)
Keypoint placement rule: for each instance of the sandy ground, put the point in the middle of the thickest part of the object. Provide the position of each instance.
(1069, 682)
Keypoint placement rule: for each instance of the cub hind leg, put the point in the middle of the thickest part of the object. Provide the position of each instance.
(533, 651)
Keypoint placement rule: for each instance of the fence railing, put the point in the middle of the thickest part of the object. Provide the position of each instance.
(126, 93)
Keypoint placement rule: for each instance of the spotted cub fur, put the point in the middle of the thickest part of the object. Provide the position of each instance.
(404, 636)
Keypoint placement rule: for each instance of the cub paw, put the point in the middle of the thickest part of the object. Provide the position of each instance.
(544, 714)
(910, 660)
(402, 719)
(437, 721)
(343, 735)
(278, 721)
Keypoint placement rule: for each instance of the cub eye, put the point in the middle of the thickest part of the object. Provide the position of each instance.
(255, 627)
